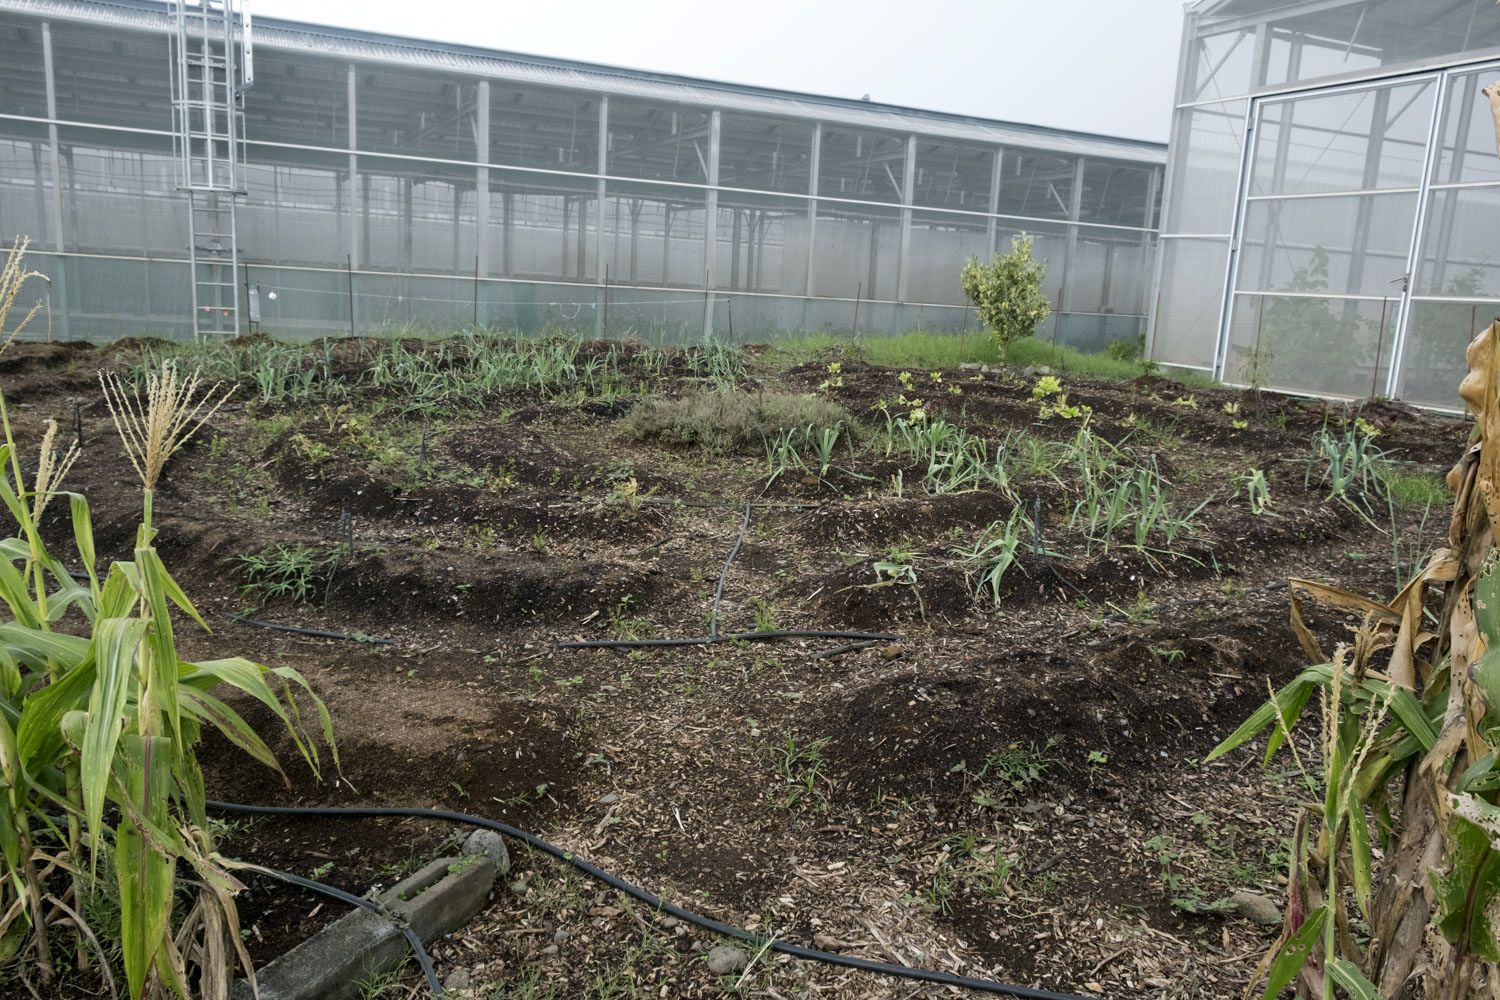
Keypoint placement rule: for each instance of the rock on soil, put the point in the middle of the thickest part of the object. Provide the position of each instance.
(1256, 908)
(726, 958)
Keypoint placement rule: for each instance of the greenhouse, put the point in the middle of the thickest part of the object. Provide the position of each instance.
(376, 183)
(1332, 196)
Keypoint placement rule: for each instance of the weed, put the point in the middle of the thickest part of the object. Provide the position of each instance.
(725, 423)
(288, 571)
(799, 778)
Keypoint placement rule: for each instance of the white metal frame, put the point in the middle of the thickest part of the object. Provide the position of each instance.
(1243, 199)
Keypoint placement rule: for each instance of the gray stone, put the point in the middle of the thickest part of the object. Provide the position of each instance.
(559, 936)
(491, 845)
(436, 900)
(726, 958)
(608, 800)
(1256, 908)
(458, 979)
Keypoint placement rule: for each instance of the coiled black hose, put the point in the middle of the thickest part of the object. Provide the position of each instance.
(656, 902)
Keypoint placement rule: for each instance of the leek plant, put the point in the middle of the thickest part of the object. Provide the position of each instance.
(100, 718)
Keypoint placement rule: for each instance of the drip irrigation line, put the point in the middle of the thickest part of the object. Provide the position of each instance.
(852, 647)
(423, 959)
(321, 633)
(707, 640)
(713, 614)
(658, 904)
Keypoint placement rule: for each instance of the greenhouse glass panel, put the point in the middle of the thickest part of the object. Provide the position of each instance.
(1315, 41)
(546, 129)
(23, 85)
(1117, 194)
(762, 243)
(1356, 140)
(111, 77)
(1189, 301)
(1110, 273)
(296, 207)
(533, 228)
(651, 141)
(1345, 244)
(1205, 180)
(1434, 359)
(940, 243)
(1223, 65)
(25, 183)
(416, 216)
(1459, 253)
(653, 234)
(122, 193)
(300, 101)
(415, 113)
(764, 154)
(857, 249)
(954, 175)
(1467, 150)
(862, 164)
(1320, 345)
(1036, 185)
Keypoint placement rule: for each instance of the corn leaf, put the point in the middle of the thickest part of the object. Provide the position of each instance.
(83, 538)
(1359, 854)
(227, 721)
(1292, 955)
(1288, 703)
(1472, 883)
(116, 641)
(17, 597)
(39, 736)
(1347, 975)
(144, 873)
(154, 578)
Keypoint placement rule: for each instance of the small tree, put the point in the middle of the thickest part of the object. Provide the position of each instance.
(1007, 292)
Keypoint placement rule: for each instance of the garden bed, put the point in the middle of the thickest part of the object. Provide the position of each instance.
(1012, 790)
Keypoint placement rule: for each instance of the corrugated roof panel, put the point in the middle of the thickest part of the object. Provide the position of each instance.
(347, 44)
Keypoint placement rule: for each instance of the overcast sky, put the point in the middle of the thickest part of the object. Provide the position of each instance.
(1096, 65)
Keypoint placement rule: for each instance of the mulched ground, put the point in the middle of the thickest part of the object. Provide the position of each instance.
(1012, 792)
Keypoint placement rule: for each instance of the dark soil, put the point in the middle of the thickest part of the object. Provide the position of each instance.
(1061, 731)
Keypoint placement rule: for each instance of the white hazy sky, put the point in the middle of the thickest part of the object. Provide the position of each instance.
(1095, 65)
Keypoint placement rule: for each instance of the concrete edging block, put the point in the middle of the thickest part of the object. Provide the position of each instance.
(436, 900)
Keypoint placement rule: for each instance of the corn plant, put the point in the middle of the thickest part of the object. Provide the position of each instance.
(1404, 821)
(99, 718)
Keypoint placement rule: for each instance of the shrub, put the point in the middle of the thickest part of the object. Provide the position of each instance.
(728, 422)
(1007, 292)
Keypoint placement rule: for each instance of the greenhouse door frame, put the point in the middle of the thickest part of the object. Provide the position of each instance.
(1244, 199)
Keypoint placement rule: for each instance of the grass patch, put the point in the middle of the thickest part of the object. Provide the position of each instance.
(727, 422)
(1415, 490)
(949, 350)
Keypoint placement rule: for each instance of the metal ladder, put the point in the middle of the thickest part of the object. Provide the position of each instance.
(211, 69)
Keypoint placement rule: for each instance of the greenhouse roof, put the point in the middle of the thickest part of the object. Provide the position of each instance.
(344, 43)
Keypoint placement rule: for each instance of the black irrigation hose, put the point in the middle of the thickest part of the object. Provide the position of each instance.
(713, 614)
(321, 633)
(736, 637)
(423, 959)
(656, 902)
